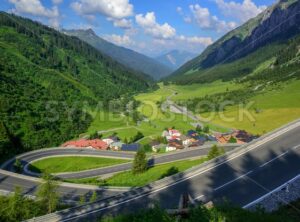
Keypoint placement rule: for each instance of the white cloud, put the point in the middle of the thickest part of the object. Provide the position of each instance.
(35, 8)
(205, 20)
(204, 41)
(179, 10)
(115, 9)
(150, 26)
(124, 40)
(122, 23)
(241, 11)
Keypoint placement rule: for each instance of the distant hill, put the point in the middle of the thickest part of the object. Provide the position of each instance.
(175, 58)
(48, 80)
(127, 57)
(242, 50)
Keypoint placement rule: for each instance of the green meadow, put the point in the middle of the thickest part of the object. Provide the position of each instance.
(72, 164)
(127, 179)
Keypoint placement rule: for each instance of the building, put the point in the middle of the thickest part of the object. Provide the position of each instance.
(174, 133)
(192, 133)
(108, 141)
(242, 136)
(131, 147)
(116, 146)
(174, 145)
(84, 143)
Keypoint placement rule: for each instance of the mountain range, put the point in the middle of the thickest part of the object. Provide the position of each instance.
(127, 57)
(241, 51)
(175, 58)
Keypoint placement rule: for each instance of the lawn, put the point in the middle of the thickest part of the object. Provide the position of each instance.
(72, 164)
(185, 92)
(127, 179)
(106, 121)
(276, 108)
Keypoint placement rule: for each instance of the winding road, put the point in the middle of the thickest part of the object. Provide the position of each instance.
(242, 176)
(156, 159)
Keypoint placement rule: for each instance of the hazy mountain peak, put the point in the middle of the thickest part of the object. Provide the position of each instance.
(175, 58)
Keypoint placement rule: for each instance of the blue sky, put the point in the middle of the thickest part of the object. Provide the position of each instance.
(148, 26)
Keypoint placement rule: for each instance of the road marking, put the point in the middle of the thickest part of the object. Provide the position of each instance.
(196, 198)
(266, 163)
(254, 146)
(269, 193)
(233, 180)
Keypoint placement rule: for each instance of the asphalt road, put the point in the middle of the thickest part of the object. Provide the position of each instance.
(29, 187)
(159, 159)
(240, 179)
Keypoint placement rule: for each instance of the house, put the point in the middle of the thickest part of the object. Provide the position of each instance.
(174, 133)
(195, 143)
(131, 147)
(84, 143)
(222, 138)
(185, 140)
(98, 144)
(165, 133)
(191, 133)
(108, 141)
(242, 136)
(174, 145)
(116, 146)
(211, 138)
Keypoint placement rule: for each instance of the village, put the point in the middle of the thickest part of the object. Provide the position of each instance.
(171, 139)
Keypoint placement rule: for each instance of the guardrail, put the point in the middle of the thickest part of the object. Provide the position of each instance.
(84, 210)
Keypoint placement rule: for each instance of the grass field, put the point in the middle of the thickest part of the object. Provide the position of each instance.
(185, 92)
(276, 108)
(72, 164)
(155, 173)
(106, 121)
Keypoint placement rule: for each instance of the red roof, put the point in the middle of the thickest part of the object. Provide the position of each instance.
(96, 144)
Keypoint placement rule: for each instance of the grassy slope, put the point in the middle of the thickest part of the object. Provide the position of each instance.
(153, 174)
(277, 107)
(158, 120)
(72, 164)
(195, 90)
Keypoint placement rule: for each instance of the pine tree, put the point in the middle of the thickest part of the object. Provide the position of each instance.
(47, 193)
(140, 164)
(18, 166)
(214, 152)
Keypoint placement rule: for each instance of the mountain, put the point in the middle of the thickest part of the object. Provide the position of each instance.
(127, 57)
(48, 81)
(175, 58)
(242, 50)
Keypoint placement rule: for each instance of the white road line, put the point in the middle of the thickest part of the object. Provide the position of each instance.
(196, 198)
(254, 146)
(269, 193)
(233, 180)
(266, 163)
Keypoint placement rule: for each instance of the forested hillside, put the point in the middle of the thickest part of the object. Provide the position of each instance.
(46, 77)
(242, 50)
(127, 57)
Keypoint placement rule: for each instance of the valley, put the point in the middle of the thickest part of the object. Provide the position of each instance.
(106, 109)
